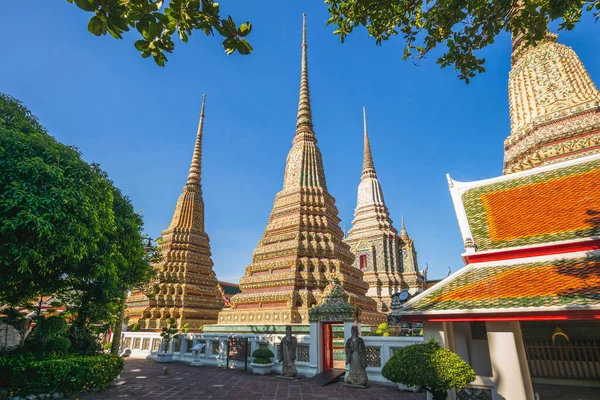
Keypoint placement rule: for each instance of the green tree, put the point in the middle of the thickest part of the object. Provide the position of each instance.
(53, 206)
(65, 229)
(120, 264)
(429, 366)
(463, 27)
(157, 25)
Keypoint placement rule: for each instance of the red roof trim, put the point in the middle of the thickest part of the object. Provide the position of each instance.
(587, 245)
(504, 316)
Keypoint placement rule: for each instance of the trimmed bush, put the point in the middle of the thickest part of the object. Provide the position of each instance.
(262, 356)
(6, 366)
(67, 375)
(430, 366)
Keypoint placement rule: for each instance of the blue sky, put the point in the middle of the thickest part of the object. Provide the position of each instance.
(139, 120)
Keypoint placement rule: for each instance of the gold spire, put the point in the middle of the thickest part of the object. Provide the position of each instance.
(193, 181)
(194, 297)
(304, 119)
(403, 232)
(368, 166)
(302, 244)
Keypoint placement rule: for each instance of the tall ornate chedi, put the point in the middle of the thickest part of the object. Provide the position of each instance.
(554, 106)
(302, 246)
(389, 261)
(187, 287)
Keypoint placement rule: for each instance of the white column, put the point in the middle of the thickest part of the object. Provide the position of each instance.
(183, 347)
(509, 362)
(315, 341)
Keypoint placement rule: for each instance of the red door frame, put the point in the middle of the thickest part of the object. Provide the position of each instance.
(327, 344)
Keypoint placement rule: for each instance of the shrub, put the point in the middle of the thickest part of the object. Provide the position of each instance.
(6, 366)
(107, 345)
(51, 335)
(382, 330)
(262, 356)
(67, 375)
(430, 366)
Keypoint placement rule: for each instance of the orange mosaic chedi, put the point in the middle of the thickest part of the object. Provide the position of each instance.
(187, 289)
(543, 208)
(554, 106)
(302, 243)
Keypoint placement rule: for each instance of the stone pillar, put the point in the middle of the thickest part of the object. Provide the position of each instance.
(509, 363)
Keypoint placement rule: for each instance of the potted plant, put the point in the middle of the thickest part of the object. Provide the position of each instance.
(429, 366)
(262, 363)
(167, 335)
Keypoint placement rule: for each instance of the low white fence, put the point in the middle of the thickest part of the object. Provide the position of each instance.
(148, 344)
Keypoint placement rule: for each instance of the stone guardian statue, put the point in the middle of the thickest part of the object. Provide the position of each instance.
(287, 355)
(356, 356)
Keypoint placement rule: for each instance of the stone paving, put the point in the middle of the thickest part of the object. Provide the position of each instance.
(145, 379)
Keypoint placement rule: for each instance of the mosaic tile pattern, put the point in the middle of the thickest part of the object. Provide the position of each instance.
(136, 343)
(373, 357)
(553, 107)
(155, 344)
(176, 345)
(550, 206)
(542, 284)
(146, 344)
(474, 394)
(303, 352)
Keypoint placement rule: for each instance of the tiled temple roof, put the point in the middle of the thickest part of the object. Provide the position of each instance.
(532, 245)
(567, 283)
(555, 204)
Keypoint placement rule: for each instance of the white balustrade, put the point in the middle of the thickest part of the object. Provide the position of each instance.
(214, 352)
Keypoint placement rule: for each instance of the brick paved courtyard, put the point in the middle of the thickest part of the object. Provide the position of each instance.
(145, 379)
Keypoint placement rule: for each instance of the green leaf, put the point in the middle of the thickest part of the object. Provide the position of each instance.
(96, 26)
(87, 5)
(141, 45)
(244, 29)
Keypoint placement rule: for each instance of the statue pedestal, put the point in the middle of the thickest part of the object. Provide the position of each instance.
(289, 378)
(356, 386)
(197, 362)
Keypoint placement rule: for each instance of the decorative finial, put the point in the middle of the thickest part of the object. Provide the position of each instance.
(368, 165)
(195, 168)
(304, 29)
(450, 181)
(304, 119)
(403, 232)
